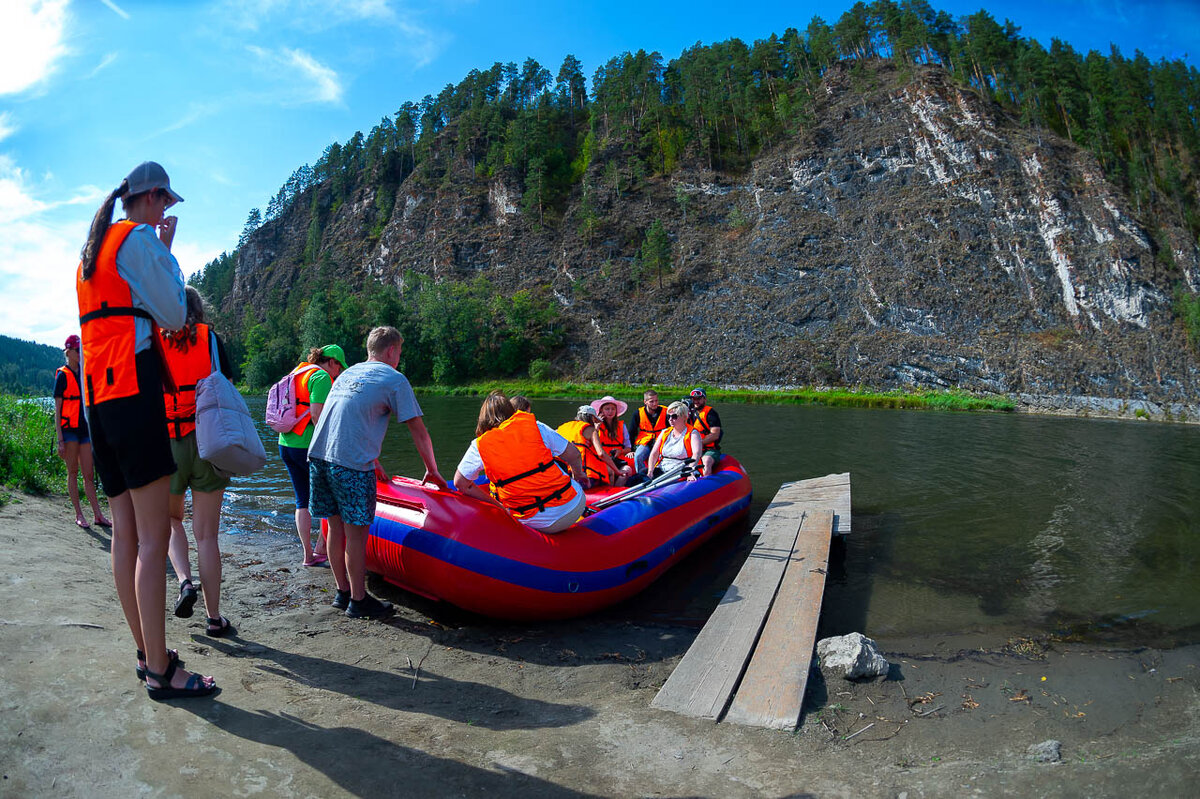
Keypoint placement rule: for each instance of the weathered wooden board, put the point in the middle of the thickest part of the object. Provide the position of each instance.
(771, 692)
(703, 682)
(825, 493)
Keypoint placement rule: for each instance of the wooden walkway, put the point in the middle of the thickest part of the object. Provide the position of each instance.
(750, 663)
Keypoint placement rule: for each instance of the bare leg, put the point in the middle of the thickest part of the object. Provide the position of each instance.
(206, 520)
(337, 553)
(89, 482)
(304, 530)
(71, 457)
(356, 558)
(177, 550)
(124, 562)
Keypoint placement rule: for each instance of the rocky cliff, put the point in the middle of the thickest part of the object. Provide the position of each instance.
(912, 235)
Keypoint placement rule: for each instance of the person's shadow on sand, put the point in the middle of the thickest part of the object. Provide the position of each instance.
(467, 702)
(365, 764)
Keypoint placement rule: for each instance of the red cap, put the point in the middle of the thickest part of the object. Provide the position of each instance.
(72, 342)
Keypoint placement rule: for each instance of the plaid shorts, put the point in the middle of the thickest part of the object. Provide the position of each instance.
(338, 491)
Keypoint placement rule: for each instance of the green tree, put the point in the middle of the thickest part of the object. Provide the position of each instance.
(656, 250)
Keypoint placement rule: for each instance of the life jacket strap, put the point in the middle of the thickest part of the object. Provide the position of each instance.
(119, 310)
(540, 504)
(541, 467)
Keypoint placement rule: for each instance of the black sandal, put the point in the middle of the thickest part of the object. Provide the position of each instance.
(140, 670)
(195, 686)
(219, 628)
(186, 600)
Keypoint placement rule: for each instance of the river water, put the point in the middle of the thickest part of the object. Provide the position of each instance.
(997, 523)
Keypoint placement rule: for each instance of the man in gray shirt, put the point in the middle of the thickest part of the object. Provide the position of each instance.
(343, 462)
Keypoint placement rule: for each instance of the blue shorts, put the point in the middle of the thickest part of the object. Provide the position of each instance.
(296, 461)
(79, 435)
(338, 491)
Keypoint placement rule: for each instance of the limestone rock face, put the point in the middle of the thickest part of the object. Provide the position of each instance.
(912, 234)
(853, 656)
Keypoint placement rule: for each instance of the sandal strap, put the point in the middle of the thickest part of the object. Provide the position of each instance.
(164, 679)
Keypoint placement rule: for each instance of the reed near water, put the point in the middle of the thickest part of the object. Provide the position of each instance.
(28, 459)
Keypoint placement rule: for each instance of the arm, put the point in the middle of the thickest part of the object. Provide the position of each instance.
(714, 435)
(469, 488)
(315, 409)
(594, 435)
(154, 277)
(655, 455)
(698, 449)
(573, 459)
(416, 426)
(58, 429)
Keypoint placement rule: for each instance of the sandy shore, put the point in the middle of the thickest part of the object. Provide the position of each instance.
(316, 704)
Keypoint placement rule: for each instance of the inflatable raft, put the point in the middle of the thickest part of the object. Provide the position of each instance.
(473, 554)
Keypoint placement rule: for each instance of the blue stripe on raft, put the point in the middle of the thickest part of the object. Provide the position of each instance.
(541, 578)
(623, 515)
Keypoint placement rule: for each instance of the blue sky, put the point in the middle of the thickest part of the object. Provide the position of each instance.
(232, 95)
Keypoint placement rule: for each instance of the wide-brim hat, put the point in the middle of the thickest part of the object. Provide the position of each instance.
(600, 403)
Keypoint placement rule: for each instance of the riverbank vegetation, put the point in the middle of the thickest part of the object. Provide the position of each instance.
(834, 397)
(28, 459)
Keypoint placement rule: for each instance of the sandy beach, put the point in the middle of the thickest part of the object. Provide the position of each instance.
(316, 704)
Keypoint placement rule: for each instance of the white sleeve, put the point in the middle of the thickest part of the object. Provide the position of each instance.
(471, 465)
(553, 440)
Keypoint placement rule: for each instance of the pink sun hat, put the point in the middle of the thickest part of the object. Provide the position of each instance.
(605, 400)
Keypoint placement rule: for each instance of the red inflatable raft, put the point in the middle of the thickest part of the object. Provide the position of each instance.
(474, 555)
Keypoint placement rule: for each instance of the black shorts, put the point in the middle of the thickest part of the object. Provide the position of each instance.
(130, 446)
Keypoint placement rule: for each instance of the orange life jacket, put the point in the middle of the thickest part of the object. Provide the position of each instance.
(304, 373)
(593, 464)
(613, 444)
(106, 321)
(702, 426)
(525, 479)
(189, 364)
(662, 441)
(72, 407)
(646, 429)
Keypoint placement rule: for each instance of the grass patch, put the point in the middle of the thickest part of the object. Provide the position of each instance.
(28, 458)
(951, 400)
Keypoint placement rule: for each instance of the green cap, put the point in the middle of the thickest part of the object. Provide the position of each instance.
(335, 352)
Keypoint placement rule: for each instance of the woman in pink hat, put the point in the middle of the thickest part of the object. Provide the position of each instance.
(614, 436)
(74, 443)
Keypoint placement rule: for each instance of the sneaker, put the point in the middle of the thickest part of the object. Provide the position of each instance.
(341, 599)
(368, 608)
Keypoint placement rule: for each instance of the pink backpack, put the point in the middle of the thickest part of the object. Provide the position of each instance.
(284, 410)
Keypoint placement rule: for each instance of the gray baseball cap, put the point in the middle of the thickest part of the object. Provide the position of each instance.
(150, 175)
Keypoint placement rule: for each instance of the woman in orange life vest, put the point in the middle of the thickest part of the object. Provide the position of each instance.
(127, 284)
(614, 436)
(598, 465)
(74, 443)
(518, 454)
(313, 381)
(677, 443)
(189, 357)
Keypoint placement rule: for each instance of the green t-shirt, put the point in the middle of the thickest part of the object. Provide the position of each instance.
(318, 389)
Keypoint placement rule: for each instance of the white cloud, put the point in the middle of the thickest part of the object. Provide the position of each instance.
(31, 42)
(307, 15)
(7, 126)
(116, 9)
(104, 64)
(310, 81)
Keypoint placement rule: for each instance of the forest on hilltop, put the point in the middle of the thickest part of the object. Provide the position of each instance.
(715, 106)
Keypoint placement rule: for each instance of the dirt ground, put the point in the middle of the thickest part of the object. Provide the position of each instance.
(316, 704)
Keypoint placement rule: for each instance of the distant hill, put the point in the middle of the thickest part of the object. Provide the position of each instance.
(27, 367)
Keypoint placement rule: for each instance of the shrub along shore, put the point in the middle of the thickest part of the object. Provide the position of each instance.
(29, 460)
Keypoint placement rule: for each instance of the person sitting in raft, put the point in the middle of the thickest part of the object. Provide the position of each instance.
(614, 436)
(522, 403)
(677, 443)
(708, 424)
(598, 465)
(518, 454)
(647, 423)
(74, 444)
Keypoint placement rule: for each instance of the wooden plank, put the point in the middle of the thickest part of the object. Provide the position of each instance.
(703, 682)
(771, 693)
(829, 492)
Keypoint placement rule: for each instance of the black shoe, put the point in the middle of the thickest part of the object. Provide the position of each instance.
(368, 608)
(341, 599)
(186, 600)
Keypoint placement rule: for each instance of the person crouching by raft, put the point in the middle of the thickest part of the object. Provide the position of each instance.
(647, 423)
(74, 444)
(343, 462)
(313, 379)
(127, 283)
(188, 354)
(614, 436)
(598, 465)
(679, 442)
(708, 424)
(518, 454)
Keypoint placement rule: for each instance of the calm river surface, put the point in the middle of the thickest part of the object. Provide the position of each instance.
(997, 523)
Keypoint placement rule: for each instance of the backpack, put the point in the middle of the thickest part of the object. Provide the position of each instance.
(225, 434)
(283, 410)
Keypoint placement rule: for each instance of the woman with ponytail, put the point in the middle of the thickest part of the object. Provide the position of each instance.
(128, 284)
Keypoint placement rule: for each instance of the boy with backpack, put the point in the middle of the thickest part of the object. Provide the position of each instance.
(343, 461)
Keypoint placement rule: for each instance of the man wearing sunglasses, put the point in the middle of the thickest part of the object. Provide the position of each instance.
(708, 424)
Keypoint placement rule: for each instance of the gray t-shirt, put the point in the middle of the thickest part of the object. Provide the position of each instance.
(355, 418)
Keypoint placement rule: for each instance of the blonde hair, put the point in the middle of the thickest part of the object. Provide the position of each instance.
(383, 338)
(496, 408)
(679, 408)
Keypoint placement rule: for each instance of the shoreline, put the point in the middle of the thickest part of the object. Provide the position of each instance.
(314, 703)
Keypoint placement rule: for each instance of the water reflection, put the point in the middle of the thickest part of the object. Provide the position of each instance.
(961, 521)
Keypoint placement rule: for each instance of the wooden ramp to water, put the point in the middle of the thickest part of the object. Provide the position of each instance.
(750, 663)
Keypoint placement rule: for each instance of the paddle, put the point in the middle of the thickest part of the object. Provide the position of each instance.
(669, 476)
